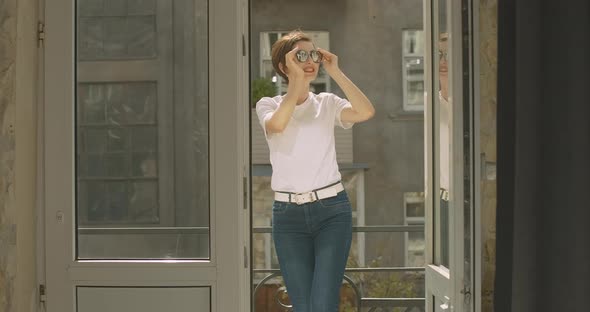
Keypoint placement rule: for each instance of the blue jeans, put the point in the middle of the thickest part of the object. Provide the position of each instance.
(312, 243)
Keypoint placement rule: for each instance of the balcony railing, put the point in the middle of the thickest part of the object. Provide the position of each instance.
(364, 304)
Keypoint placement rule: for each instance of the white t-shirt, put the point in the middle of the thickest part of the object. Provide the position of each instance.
(445, 143)
(303, 156)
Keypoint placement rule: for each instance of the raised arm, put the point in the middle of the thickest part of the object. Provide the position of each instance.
(362, 108)
(280, 119)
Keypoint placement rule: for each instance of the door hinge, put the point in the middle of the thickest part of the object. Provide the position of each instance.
(466, 292)
(245, 257)
(245, 191)
(243, 45)
(42, 293)
(40, 33)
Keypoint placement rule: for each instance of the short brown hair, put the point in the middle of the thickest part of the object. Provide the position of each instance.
(283, 46)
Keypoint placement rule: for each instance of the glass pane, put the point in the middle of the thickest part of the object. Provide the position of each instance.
(142, 131)
(445, 135)
(380, 160)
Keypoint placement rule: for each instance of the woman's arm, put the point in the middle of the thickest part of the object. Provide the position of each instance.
(280, 119)
(362, 108)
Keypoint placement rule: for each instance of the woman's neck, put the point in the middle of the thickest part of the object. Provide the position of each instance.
(303, 96)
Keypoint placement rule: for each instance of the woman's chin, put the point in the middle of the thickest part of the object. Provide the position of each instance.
(310, 76)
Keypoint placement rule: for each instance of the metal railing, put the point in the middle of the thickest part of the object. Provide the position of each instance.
(363, 228)
(368, 304)
(361, 302)
(144, 230)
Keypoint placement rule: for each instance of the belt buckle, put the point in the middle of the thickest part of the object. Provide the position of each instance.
(444, 194)
(300, 197)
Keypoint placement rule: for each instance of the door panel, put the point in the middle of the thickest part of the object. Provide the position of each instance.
(443, 99)
(449, 170)
(138, 182)
(145, 299)
(439, 149)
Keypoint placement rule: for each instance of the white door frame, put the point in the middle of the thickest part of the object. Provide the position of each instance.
(229, 167)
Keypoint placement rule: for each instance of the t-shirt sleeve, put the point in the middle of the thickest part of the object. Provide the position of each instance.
(341, 104)
(265, 108)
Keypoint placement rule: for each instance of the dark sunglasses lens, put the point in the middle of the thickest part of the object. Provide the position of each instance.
(301, 56)
(316, 56)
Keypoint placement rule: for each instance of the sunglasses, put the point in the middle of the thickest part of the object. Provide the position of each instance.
(443, 55)
(302, 56)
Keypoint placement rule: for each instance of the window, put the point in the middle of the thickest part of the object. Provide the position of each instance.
(413, 69)
(414, 241)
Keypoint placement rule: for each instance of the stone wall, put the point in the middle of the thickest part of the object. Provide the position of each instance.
(488, 81)
(7, 149)
(18, 74)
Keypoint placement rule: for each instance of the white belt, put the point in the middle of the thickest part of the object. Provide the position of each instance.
(308, 197)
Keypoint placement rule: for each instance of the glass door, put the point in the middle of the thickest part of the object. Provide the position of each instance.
(138, 189)
(380, 48)
(449, 157)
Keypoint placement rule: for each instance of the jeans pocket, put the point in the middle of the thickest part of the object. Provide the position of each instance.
(338, 201)
(279, 207)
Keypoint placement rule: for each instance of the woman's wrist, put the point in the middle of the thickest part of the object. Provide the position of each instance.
(337, 74)
(296, 85)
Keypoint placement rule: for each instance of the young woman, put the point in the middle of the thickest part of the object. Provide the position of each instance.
(311, 214)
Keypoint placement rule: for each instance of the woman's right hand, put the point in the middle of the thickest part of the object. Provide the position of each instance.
(294, 71)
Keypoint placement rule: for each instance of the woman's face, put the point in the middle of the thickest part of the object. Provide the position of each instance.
(443, 67)
(443, 58)
(309, 67)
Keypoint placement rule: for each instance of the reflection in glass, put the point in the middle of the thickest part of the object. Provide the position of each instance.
(142, 136)
(444, 101)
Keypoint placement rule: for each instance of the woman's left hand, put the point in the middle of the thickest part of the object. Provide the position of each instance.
(330, 61)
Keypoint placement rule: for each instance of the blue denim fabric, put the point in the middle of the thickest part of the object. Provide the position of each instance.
(312, 243)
